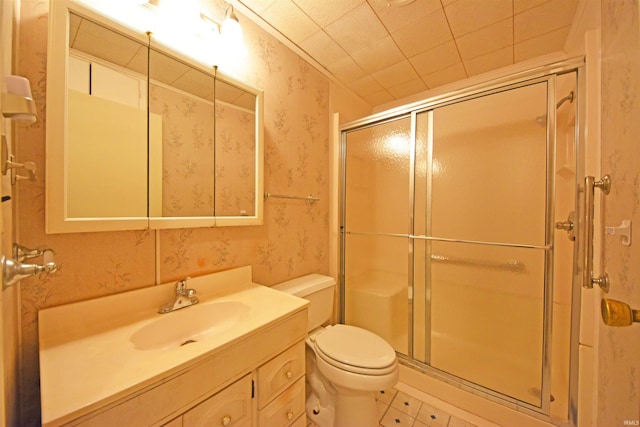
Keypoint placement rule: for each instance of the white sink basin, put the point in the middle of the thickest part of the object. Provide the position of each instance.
(188, 325)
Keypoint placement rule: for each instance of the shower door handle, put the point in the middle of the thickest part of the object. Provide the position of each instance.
(590, 184)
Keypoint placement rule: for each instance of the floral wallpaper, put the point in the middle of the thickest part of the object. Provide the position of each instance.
(235, 167)
(293, 241)
(187, 152)
(618, 348)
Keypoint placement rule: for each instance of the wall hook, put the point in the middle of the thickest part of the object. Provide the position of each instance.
(7, 162)
(623, 230)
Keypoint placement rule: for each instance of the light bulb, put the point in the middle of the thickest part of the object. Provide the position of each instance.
(231, 31)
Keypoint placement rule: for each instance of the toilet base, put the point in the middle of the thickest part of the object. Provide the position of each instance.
(320, 416)
(356, 409)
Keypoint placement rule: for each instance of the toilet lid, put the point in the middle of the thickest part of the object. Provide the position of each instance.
(355, 346)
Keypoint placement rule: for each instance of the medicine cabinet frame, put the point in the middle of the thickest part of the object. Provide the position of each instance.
(56, 217)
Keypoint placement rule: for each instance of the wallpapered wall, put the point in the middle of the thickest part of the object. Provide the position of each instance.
(293, 241)
(188, 155)
(619, 364)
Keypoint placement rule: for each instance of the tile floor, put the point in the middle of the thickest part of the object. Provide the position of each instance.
(398, 409)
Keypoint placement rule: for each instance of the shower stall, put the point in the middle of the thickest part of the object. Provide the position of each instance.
(457, 236)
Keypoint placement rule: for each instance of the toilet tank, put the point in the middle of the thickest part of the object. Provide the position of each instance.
(318, 290)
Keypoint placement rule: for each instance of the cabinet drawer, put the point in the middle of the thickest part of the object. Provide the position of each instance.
(300, 422)
(174, 423)
(229, 407)
(279, 373)
(286, 408)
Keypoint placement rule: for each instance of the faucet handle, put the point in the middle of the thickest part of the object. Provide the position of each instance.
(181, 285)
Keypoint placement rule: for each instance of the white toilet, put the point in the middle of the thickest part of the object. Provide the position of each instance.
(346, 365)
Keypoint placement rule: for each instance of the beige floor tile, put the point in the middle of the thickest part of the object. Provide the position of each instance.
(382, 408)
(406, 404)
(433, 417)
(386, 396)
(395, 418)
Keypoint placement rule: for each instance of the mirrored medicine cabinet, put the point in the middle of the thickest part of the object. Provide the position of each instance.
(140, 136)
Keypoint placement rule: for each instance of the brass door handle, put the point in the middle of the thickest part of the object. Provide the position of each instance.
(617, 313)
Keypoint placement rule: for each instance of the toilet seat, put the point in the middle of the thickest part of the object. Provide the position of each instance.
(354, 349)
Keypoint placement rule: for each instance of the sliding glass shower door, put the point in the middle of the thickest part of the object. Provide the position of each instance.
(378, 207)
(480, 246)
(448, 237)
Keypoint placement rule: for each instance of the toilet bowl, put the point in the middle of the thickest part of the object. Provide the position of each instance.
(346, 364)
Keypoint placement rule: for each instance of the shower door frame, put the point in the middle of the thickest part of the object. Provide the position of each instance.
(547, 74)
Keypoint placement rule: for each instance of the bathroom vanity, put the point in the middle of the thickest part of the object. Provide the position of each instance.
(234, 359)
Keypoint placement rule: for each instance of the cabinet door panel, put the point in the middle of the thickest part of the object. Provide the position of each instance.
(229, 407)
(279, 373)
(286, 408)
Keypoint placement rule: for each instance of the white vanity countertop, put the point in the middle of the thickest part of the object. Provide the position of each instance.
(87, 357)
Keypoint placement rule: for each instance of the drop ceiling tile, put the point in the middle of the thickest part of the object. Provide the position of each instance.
(366, 85)
(407, 88)
(103, 43)
(465, 16)
(397, 18)
(447, 75)
(435, 59)
(428, 32)
(322, 48)
(380, 55)
(290, 20)
(258, 6)
(346, 70)
(358, 29)
(74, 23)
(378, 98)
(138, 63)
(522, 5)
(326, 11)
(165, 69)
(541, 45)
(486, 39)
(543, 19)
(396, 74)
(489, 61)
(196, 83)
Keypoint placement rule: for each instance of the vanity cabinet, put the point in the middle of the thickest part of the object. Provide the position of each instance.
(261, 377)
(247, 370)
(280, 393)
(230, 407)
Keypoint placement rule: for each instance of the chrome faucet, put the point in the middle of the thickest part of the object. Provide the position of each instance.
(184, 297)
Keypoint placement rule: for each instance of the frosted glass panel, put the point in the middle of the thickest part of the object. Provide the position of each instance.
(377, 178)
(487, 315)
(489, 168)
(376, 281)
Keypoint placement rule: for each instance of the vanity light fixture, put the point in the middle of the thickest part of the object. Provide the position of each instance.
(230, 29)
(180, 25)
(230, 45)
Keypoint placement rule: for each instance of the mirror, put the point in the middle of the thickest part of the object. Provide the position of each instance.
(140, 136)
